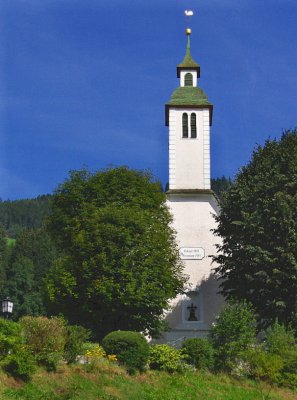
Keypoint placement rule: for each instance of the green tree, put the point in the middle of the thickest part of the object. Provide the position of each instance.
(19, 286)
(220, 186)
(258, 225)
(232, 334)
(120, 263)
(30, 260)
(36, 245)
(3, 258)
(280, 341)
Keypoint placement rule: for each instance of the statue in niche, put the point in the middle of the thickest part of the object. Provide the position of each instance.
(192, 312)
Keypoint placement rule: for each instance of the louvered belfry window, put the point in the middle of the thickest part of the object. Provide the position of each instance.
(193, 126)
(185, 125)
(188, 79)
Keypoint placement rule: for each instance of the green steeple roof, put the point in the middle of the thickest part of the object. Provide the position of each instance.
(188, 62)
(188, 95)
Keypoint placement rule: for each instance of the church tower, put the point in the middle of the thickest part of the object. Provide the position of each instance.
(189, 117)
(191, 202)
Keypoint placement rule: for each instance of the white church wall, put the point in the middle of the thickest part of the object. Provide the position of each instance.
(193, 222)
(172, 148)
(206, 149)
(189, 158)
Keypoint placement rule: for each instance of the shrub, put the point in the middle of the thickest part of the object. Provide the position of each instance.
(20, 363)
(93, 356)
(130, 348)
(93, 352)
(289, 379)
(232, 334)
(198, 352)
(10, 336)
(280, 341)
(46, 338)
(263, 367)
(163, 357)
(93, 349)
(75, 338)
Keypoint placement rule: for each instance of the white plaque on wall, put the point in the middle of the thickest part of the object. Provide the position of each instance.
(191, 253)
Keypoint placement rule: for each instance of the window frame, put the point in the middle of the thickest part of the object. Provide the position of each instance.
(188, 79)
(185, 125)
(193, 124)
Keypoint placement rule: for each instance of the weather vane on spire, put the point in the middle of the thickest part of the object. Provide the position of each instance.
(188, 14)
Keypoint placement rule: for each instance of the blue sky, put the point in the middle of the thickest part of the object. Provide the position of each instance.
(84, 83)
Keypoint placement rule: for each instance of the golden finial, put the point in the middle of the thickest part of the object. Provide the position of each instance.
(188, 31)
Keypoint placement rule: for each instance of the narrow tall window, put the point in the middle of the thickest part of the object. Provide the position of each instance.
(188, 79)
(193, 126)
(185, 125)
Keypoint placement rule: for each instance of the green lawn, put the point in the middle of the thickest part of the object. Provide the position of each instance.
(112, 383)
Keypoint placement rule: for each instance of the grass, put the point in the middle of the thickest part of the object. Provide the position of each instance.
(110, 382)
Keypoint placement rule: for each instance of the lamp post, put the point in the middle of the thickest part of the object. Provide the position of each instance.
(7, 307)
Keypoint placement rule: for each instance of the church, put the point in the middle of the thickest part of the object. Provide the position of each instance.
(188, 115)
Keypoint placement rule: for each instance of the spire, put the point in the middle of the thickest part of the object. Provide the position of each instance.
(188, 62)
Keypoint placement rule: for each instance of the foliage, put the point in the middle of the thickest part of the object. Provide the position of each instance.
(29, 261)
(163, 357)
(26, 213)
(120, 264)
(10, 336)
(232, 334)
(280, 341)
(20, 286)
(220, 186)
(263, 367)
(75, 338)
(258, 223)
(3, 257)
(110, 382)
(46, 338)
(198, 352)
(15, 357)
(20, 363)
(93, 351)
(130, 348)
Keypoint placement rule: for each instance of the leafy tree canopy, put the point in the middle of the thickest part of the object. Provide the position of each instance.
(220, 186)
(258, 225)
(120, 263)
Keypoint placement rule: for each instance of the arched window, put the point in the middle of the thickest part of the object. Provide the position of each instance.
(185, 125)
(193, 126)
(188, 79)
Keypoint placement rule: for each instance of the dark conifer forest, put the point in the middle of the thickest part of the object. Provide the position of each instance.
(19, 214)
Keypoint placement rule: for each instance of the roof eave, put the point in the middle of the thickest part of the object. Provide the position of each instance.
(178, 69)
(188, 106)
